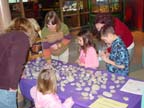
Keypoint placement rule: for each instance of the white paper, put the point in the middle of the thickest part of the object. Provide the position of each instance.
(133, 86)
(107, 103)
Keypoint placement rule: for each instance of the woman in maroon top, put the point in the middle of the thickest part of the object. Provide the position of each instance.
(121, 30)
(14, 46)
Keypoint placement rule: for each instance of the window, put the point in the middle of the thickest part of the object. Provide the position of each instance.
(15, 1)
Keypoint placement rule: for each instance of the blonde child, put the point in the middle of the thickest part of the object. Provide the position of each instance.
(36, 49)
(44, 93)
(88, 55)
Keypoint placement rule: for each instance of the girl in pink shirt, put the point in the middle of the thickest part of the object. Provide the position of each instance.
(88, 55)
(44, 93)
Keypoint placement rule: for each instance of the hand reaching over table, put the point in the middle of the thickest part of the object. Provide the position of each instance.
(69, 102)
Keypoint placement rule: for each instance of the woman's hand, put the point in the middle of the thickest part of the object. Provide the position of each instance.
(54, 47)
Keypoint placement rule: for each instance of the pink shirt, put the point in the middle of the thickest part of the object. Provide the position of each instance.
(90, 58)
(48, 100)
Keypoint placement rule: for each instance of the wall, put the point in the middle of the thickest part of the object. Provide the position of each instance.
(137, 9)
(5, 16)
(140, 10)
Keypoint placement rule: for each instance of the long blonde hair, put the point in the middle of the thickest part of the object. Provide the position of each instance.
(36, 26)
(46, 82)
(22, 24)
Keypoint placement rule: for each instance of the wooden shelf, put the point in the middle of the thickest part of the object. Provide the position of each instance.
(106, 6)
(78, 16)
(65, 15)
(84, 13)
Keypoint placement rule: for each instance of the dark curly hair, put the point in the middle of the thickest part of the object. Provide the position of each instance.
(104, 18)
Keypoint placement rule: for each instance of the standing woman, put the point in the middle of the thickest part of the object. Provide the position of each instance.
(56, 38)
(120, 28)
(14, 46)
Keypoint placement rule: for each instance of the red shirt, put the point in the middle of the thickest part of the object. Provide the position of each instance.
(123, 31)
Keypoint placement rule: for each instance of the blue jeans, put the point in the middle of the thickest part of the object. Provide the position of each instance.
(8, 99)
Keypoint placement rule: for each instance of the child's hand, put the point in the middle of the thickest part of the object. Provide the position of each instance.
(69, 101)
(81, 64)
(23, 76)
(77, 61)
(104, 55)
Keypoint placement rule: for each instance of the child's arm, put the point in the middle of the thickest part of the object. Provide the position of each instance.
(105, 57)
(55, 102)
(68, 103)
(107, 60)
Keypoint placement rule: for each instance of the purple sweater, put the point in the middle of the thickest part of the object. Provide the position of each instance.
(13, 52)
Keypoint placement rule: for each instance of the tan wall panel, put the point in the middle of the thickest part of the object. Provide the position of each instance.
(5, 14)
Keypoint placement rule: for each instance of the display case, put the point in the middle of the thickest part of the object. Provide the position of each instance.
(112, 6)
(115, 7)
(21, 9)
(75, 13)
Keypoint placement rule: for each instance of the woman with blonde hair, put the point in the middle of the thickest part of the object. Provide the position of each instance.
(35, 25)
(23, 25)
(14, 46)
(36, 49)
(44, 93)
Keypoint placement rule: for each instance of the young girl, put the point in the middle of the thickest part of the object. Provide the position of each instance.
(88, 55)
(44, 94)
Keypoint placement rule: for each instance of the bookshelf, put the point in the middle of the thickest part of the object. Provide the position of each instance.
(75, 13)
(115, 7)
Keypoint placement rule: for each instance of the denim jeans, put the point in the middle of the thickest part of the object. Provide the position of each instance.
(8, 99)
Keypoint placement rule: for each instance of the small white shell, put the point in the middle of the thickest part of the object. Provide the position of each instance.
(107, 94)
(126, 98)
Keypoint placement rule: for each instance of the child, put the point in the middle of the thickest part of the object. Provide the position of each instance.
(88, 55)
(44, 94)
(36, 49)
(118, 59)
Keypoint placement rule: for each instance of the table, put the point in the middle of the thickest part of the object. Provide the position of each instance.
(82, 84)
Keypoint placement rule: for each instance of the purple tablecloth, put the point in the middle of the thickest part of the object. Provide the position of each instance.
(81, 101)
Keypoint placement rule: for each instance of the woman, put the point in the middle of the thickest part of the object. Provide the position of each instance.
(120, 29)
(56, 38)
(14, 46)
